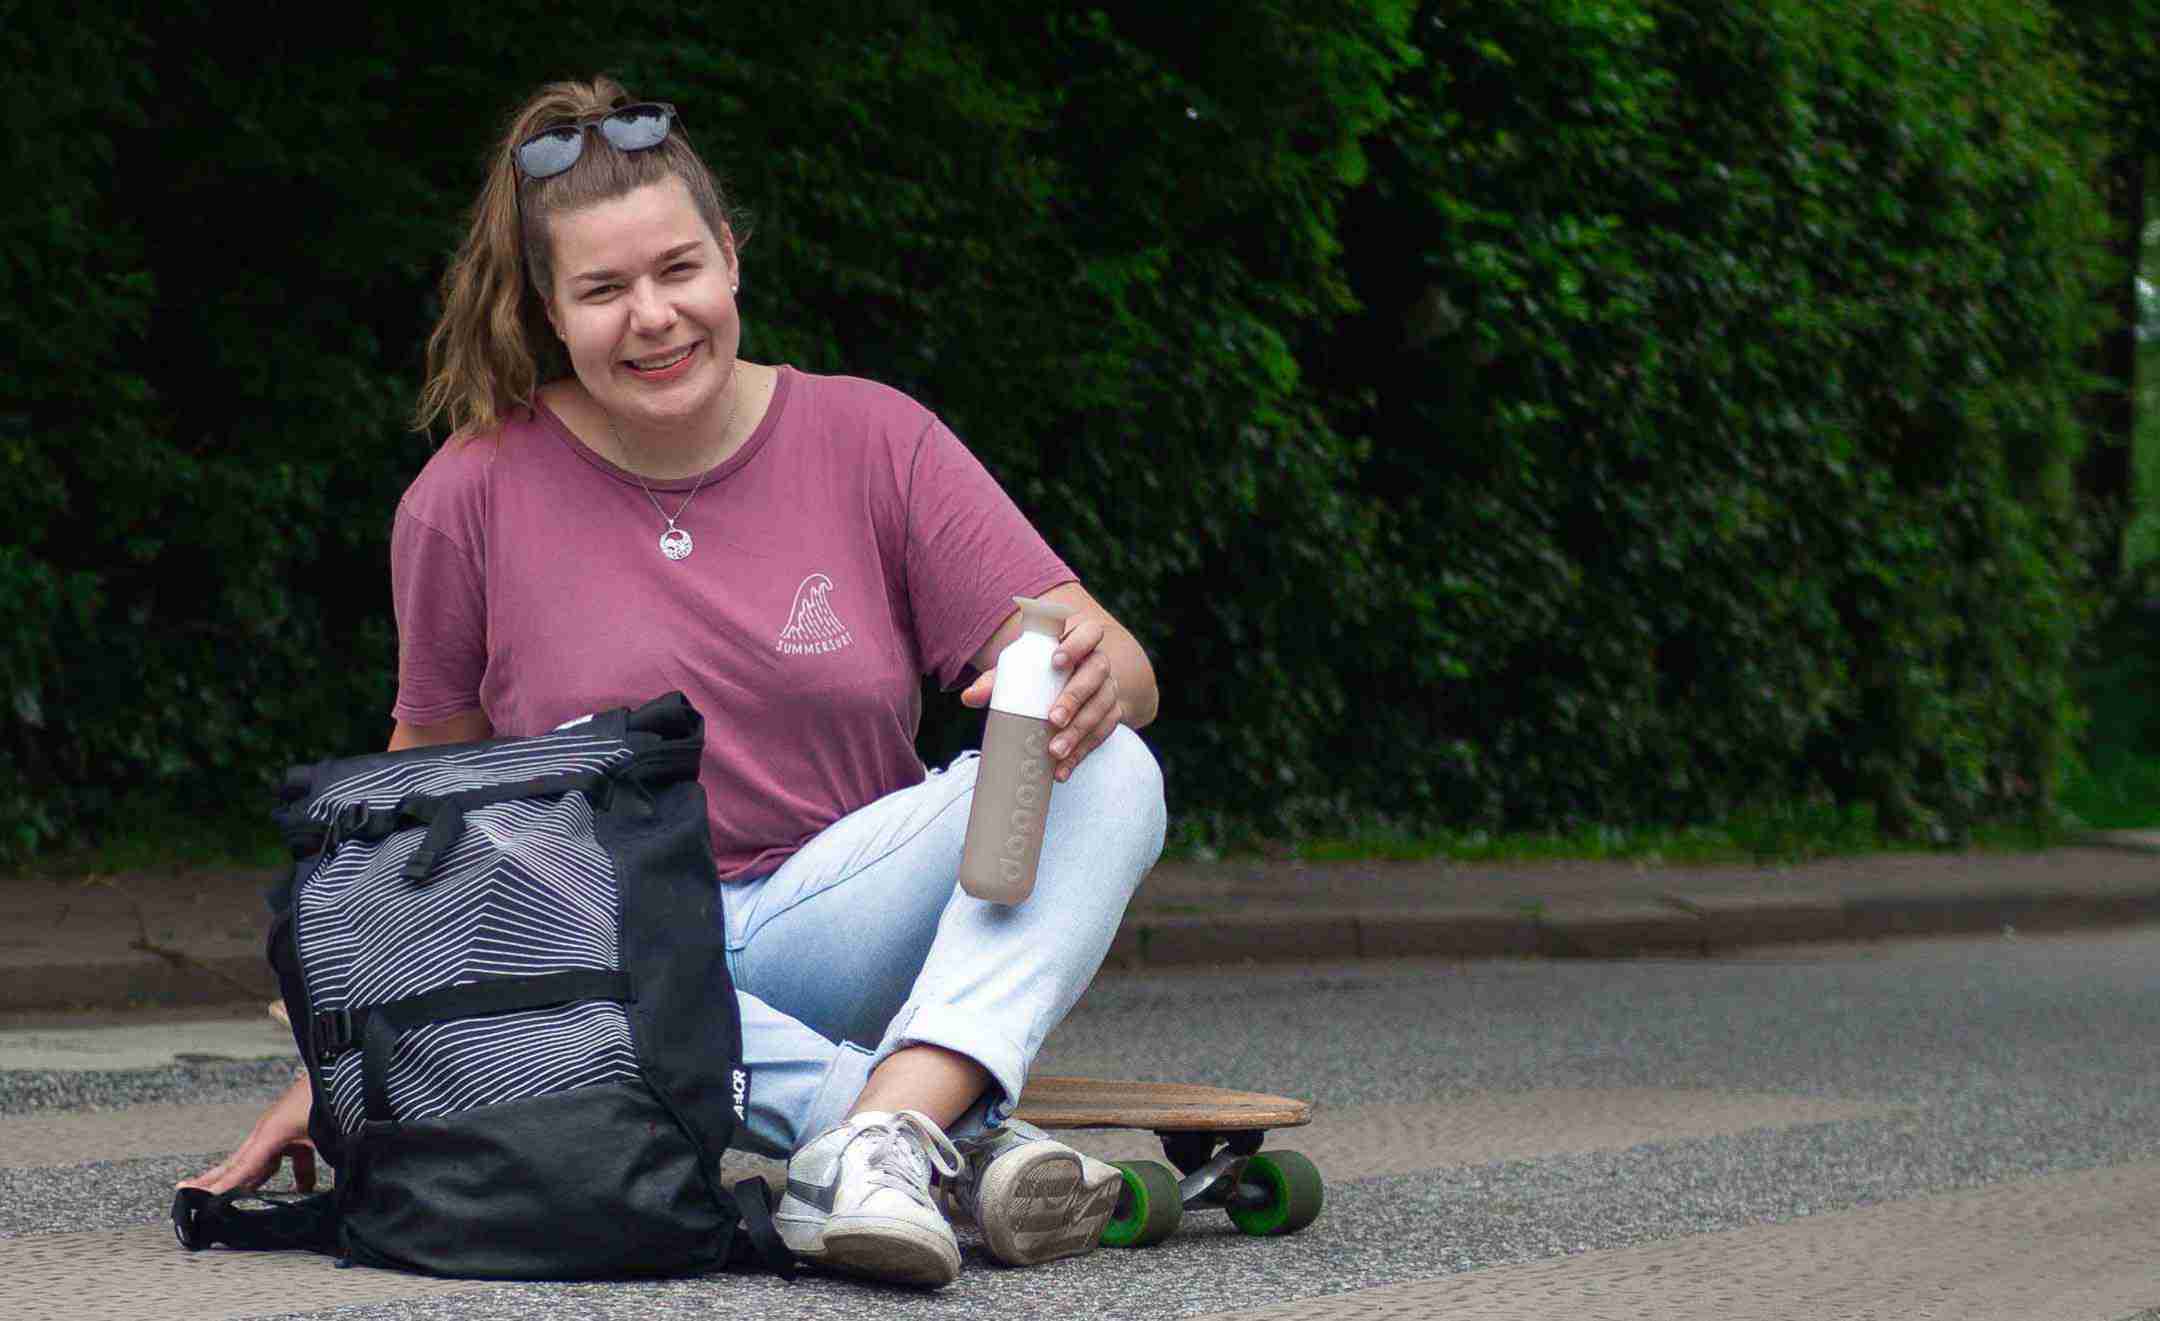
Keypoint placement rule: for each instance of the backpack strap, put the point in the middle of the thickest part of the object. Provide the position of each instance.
(444, 814)
(201, 1219)
(376, 1027)
(758, 1240)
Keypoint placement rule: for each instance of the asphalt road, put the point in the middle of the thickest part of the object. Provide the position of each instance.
(1957, 1128)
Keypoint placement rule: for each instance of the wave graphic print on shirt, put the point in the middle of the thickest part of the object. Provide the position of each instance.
(812, 627)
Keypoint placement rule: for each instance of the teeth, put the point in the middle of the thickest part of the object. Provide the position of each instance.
(655, 364)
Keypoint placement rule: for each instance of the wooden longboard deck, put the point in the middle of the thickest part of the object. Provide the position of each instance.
(1171, 1107)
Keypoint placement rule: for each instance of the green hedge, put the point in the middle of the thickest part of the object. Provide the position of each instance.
(1526, 412)
(1749, 334)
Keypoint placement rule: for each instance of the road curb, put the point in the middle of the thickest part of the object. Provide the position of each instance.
(1155, 941)
(1666, 926)
(136, 981)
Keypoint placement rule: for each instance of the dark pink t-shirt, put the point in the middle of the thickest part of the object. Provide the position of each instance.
(850, 546)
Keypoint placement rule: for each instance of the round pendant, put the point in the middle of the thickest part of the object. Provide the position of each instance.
(675, 544)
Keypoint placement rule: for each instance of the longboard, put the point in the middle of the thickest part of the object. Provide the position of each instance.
(1212, 1135)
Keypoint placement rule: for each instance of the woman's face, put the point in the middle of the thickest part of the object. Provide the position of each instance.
(643, 298)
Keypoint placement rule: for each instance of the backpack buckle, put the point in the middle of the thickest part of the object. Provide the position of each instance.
(344, 824)
(330, 1034)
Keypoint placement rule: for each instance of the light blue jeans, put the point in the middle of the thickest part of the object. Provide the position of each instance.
(862, 942)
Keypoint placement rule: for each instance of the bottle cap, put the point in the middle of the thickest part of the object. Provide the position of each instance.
(1044, 617)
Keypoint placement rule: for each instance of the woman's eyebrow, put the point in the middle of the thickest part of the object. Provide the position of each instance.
(671, 254)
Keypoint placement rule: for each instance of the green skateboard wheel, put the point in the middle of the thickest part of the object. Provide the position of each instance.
(1293, 1194)
(1148, 1210)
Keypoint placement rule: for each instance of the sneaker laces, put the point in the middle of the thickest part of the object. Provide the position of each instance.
(903, 1151)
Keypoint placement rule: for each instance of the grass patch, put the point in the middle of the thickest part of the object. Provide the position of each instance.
(1774, 836)
(2117, 784)
(2120, 792)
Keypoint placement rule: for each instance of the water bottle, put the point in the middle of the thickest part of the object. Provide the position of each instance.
(1012, 783)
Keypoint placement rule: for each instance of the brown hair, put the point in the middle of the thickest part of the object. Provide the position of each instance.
(493, 344)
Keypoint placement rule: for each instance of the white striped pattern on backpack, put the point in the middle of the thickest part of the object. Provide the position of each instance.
(526, 889)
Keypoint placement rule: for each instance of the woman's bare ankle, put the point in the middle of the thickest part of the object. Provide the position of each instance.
(938, 1082)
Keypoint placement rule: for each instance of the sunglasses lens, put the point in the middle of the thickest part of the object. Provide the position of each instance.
(637, 127)
(551, 152)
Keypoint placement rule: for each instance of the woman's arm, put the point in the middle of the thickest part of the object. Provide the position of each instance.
(464, 727)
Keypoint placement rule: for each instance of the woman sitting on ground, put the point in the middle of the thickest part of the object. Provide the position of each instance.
(626, 508)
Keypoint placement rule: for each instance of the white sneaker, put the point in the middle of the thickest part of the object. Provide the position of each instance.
(858, 1200)
(1034, 1198)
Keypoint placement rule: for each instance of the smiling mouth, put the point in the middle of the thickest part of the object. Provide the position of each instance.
(662, 361)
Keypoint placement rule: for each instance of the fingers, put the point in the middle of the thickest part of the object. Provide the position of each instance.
(245, 1169)
(1085, 714)
(280, 1130)
(1082, 636)
(1084, 668)
(229, 1172)
(208, 1179)
(252, 1166)
(1087, 708)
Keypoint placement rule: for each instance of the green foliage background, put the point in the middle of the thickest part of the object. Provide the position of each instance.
(1758, 330)
(1514, 413)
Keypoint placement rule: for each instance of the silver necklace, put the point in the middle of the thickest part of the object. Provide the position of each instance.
(675, 543)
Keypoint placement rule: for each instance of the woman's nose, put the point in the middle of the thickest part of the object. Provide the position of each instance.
(650, 311)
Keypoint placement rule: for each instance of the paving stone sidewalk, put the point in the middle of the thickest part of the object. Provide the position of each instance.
(196, 936)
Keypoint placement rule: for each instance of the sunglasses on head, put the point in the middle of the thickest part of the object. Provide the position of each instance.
(637, 127)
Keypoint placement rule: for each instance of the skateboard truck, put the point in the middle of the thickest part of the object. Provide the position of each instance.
(1212, 1180)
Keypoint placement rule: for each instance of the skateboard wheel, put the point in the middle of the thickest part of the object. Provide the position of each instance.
(1293, 1194)
(1148, 1210)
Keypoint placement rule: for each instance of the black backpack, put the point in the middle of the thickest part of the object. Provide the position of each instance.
(505, 970)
